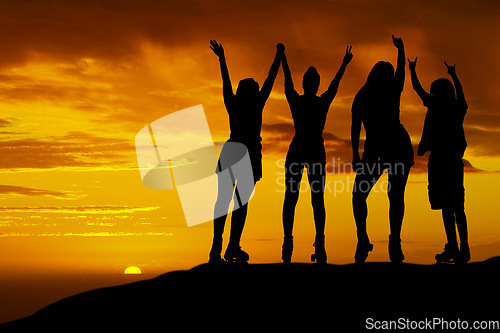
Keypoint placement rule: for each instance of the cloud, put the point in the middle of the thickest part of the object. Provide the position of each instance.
(5, 122)
(81, 221)
(74, 149)
(21, 190)
(126, 62)
(85, 234)
(482, 141)
(88, 209)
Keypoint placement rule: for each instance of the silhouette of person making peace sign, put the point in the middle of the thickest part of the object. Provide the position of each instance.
(245, 121)
(387, 147)
(307, 150)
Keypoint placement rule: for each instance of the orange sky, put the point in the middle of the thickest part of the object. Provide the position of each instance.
(78, 80)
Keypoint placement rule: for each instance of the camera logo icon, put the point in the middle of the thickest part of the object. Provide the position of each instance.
(177, 152)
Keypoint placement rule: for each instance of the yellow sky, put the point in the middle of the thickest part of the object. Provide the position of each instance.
(79, 79)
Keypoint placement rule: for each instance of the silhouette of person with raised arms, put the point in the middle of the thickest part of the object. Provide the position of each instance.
(245, 121)
(443, 135)
(307, 150)
(387, 147)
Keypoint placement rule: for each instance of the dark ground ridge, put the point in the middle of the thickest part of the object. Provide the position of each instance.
(231, 297)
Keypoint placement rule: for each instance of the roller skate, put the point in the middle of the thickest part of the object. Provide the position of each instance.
(449, 254)
(463, 256)
(214, 257)
(234, 254)
(319, 254)
(287, 249)
(395, 251)
(362, 249)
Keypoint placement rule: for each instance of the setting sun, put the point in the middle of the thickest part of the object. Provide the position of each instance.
(132, 270)
(80, 79)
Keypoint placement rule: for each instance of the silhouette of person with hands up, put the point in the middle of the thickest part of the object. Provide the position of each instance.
(387, 147)
(245, 121)
(443, 135)
(307, 150)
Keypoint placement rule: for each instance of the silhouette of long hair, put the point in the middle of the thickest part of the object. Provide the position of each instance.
(376, 96)
(380, 75)
(376, 93)
(443, 90)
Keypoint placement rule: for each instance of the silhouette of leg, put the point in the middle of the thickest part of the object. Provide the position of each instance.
(449, 225)
(214, 255)
(224, 197)
(451, 248)
(234, 253)
(396, 194)
(363, 184)
(461, 221)
(219, 224)
(460, 218)
(361, 189)
(316, 177)
(238, 219)
(239, 216)
(293, 176)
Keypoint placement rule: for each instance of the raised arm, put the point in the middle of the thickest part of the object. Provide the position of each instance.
(227, 89)
(265, 91)
(415, 82)
(286, 72)
(333, 87)
(399, 75)
(290, 91)
(458, 85)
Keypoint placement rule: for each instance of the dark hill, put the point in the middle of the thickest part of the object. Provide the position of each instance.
(279, 297)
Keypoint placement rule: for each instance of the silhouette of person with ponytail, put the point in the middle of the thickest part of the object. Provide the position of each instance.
(307, 150)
